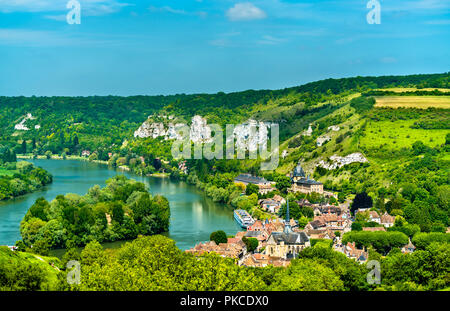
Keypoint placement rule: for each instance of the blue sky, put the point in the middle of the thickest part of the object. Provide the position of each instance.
(131, 47)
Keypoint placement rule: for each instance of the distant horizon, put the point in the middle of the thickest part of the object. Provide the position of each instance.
(227, 92)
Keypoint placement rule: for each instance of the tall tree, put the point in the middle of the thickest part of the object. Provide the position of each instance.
(362, 200)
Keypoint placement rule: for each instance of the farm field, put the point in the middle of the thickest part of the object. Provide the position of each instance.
(421, 102)
(411, 89)
(398, 134)
(5, 172)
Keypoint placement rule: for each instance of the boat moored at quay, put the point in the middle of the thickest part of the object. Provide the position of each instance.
(243, 218)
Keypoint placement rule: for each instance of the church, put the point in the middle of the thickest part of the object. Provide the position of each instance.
(301, 183)
(286, 244)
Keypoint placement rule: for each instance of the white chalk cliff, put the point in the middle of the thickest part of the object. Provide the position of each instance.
(338, 162)
(249, 135)
(22, 127)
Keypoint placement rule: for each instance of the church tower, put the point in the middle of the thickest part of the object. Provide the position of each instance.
(287, 223)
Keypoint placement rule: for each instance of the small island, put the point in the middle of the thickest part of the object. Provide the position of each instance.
(122, 210)
(19, 178)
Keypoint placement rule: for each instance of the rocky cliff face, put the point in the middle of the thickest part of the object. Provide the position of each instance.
(200, 131)
(22, 127)
(251, 134)
(248, 135)
(157, 129)
(338, 162)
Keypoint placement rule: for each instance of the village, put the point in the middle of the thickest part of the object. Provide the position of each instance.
(282, 239)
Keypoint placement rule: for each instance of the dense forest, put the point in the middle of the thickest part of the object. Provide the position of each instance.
(122, 210)
(19, 178)
(155, 263)
(72, 124)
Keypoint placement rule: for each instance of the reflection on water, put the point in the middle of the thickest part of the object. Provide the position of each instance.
(193, 216)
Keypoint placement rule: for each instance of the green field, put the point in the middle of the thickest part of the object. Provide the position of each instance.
(48, 265)
(5, 172)
(398, 134)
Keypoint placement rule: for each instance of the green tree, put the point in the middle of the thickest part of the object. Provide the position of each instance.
(251, 188)
(250, 243)
(282, 183)
(307, 275)
(218, 237)
(362, 200)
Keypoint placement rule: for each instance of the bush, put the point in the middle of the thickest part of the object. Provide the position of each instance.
(251, 243)
(382, 241)
(422, 240)
(218, 237)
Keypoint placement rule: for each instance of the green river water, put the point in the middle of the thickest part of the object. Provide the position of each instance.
(193, 216)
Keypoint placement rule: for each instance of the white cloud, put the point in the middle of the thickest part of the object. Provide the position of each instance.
(270, 40)
(245, 11)
(88, 7)
(168, 9)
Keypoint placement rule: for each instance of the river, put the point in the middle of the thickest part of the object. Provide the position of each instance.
(193, 215)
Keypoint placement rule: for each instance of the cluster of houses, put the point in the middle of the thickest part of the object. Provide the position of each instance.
(304, 184)
(385, 220)
(183, 167)
(263, 185)
(351, 251)
(234, 248)
(299, 182)
(272, 205)
(281, 240)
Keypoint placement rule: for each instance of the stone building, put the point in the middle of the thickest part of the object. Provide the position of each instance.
(304, 184)
(286, 244)
(263, 185)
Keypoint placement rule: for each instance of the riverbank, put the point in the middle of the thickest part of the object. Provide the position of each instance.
(193, 215)
(58, 157)
(21, 178)
(86, 159)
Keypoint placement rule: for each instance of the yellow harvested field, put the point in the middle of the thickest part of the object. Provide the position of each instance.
(422, 102)
(411, 89)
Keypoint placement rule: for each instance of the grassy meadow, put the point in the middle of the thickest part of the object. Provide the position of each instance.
(5, 172)
(398, 134)
(50, 266)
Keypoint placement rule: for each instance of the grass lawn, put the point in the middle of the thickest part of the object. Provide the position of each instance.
(5, 172)
(398, 134)
(422, 102)
(43, 262)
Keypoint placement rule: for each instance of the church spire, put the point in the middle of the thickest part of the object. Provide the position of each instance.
(287, 211)
(287, 222)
